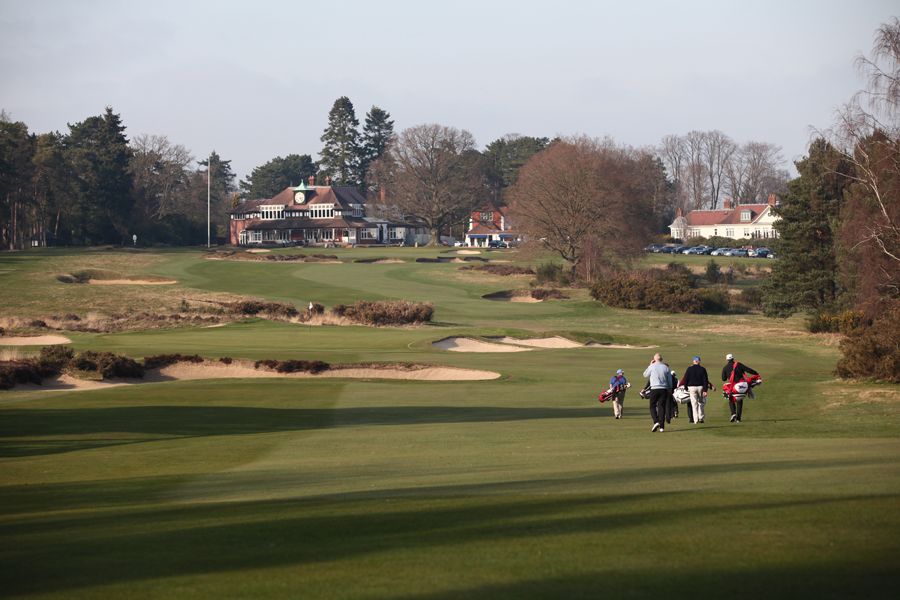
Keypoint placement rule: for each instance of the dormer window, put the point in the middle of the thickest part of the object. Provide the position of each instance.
(321, 211)
(745, 216)
(486, 217)
(269, 213)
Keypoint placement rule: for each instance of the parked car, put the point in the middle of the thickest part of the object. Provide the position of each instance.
(738, 252)
(497, 244)
(699, 250)
(760, 253)
(653, 248)
(720, 251)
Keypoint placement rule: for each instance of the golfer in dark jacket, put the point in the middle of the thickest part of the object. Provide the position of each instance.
(696, 379)
(736, 406)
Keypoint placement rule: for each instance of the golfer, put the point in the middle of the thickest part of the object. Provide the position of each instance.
(696, 379)
(736, 406)
(619, 384)
(660, 382)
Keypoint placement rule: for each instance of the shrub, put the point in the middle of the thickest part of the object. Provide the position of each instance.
(713, 272)
(306, 366)
(503, 270)
(752, 297)
(38, 324)
(53, 359)
(65, 278)
(107, 364)
(649, 290)
(715, 301)
(872, 349)
(552, 274)
(547, 294)
(254, 307)
(19, 371)
(226, 360)
(397, 312)
(266, 362)
(828, 322)
(159, 361)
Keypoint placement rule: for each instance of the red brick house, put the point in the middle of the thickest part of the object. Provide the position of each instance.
(490, 224)
(314, 215)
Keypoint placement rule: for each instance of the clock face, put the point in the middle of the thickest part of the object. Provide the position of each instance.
(299, 197)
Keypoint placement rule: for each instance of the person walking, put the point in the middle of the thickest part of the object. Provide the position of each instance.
(619, 384)
(696, 380)
(740, 370)
(671, 405)
(660, 381)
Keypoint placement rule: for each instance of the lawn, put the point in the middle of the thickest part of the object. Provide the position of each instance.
(521, 487)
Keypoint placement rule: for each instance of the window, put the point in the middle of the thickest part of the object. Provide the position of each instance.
(392, 233)
(328, 234)
(729, 233)
(369, 233)
(271, 212)
(746, 232)
(357, 210)
(486, 217)
(321, 211)
(745, 215)
(256, 236)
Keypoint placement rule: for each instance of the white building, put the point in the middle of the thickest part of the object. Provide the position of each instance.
(732, 221)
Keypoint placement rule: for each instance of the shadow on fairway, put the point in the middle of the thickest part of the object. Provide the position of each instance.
(77, 551)
(195, 421)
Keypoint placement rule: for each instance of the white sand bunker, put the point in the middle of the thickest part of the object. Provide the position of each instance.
(389, 261)
(258, 251)
(245, 370)
(468, 251)
(131, 281)
(35, 340)
(462, 344)
(617, 346)
(549, 342)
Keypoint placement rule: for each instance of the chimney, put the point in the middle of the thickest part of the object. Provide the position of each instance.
(328, 180)
(312, 180)
(381, 194)
(726, 204)
(678, 212)
(773, 199)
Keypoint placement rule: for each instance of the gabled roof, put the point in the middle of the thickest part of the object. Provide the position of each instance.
(697, 218)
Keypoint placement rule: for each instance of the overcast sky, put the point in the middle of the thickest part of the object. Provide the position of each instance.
(256, 80)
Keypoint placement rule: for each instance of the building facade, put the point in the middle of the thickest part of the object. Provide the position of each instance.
(490, 224)
(736, 221)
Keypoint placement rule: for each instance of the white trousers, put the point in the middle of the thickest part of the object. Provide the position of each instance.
(698, 402)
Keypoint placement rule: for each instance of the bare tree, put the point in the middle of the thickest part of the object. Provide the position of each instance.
(716, 150)
(754, 171)
(585, 196)
(672, 152)
(160, 173)
(431, 173)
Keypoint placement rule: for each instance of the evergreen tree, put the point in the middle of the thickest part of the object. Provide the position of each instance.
(339, 157)
(16, 151)
(506, 156)
(98, 154)
(52, 186)
(377, 132)
(806, 275)
(267, 180)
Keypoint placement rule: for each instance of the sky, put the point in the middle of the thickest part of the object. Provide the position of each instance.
(253, 81)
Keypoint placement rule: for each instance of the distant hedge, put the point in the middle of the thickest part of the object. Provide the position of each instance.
(397, 312)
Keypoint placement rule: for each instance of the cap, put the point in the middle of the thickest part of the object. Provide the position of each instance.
(620, 372)
(696, 358)
(673, 372)
(729, 356)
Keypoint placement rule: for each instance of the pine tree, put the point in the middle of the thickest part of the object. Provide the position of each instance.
(377, 132)
(339, 157)
(806, 275)
(267, 180)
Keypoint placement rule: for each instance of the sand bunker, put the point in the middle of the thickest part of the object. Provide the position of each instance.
(131, 281)
(512, 296)
(238, 370)
(258, 251)
(35, 340)
(468, 251)
(550, 342)
(461, 344)
(510, 344)
(388, 261)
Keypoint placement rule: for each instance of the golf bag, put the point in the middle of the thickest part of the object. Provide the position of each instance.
(740, 389)
(645, 393)
(611, 392)
(682, 395)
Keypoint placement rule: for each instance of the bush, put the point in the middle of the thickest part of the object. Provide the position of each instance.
(226, 360)
(107, 365)
(38, 324)
(159, 361)
(713, 272)
(752, 297)
(503, 270)
(65, 279)
(547, 294)
(872, 349)
(306, 366)
(552, 274)
(254, 307)
(396, 312)
(54, 359)
(649, 290)
(828, 322)
(715, 301)
(19, 371)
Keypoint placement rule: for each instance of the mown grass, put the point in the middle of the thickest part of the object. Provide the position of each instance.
(522, 487)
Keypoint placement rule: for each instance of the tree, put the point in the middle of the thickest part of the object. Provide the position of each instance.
(584, 193)
(98, 154)
(806, 276)
(222, 188)
(376, 135)
(506, 156)
(160, 172)
(52, 186)
(430, 173)
(716, 150)
(339, 157)
(754, 171)
(267, 180)
(16, 151)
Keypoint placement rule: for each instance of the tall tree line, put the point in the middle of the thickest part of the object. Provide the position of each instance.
(92, 185)
(707, 167)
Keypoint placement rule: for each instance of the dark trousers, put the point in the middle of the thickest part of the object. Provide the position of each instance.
(658, 401)
(736, 407)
